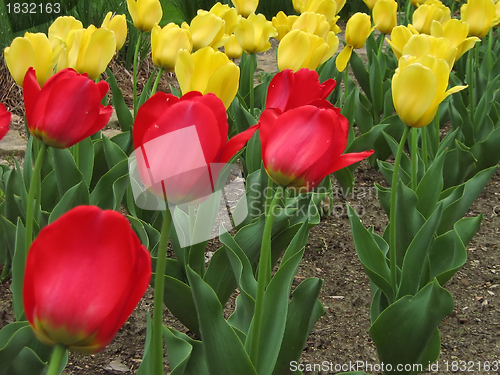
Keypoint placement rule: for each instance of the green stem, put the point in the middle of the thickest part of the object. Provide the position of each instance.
(394, 189)
(268, 193)
(263, 277)
(490, 46)
(414, 158)
(56, 359)
(407, 12)
(136, 55)
(424, 146)
(35, 181)
(161, 262)
(157, 81)
(471, 84)
(438, 128)
(253, 60)
(380, 45)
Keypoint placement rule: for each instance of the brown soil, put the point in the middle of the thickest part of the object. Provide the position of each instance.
(471, 333)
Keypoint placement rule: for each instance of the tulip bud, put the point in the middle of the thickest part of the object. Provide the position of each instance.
(207, 30)
(66, 110)
(208, 71)
(32, 50)
(60, 28)
(384, 15)
(418, 87)
(428, 12)
(232, 48)
(145, 13)
(283, 24)
(299, 49)
(456, 32)
(245, 7)
(229, 15)
(400, 35)
(479, 15)
(89, 50)
(118, 25)
(253, 33)
(85, 273)
(166, 43)
(5, 117)
(358, 29)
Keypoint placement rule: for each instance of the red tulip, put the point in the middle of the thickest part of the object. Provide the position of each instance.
(289, 90)
(303, 145)
(85, 273)
(67, 109)
(4, 120)
(181, 144)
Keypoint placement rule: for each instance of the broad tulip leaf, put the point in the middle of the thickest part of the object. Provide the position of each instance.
(360, 72)
(467, 228)
(114, 154)
(78, 195)
(124, 141)
(242, 118)
(362, 117)
(447, 255)
(487, 152)
(372, 258)
(84, 153)
(28, 162)
(102, 196)
(122, 112)
(459, 162)
(253, 154)
(388, 104)
(119, 187)
(248, 64)
(379, 303)
(304, 310)
(27, 362)
(345, 177)
(414, 259)
(275, 312)
(406, 328)
(185, 355)
(9, 235)
(146, 90)
(405, 160)
(67, 172)
(216, 333)
(349, 110)
(14, 186)
(458, 203)
(430, 187)
(146, 366)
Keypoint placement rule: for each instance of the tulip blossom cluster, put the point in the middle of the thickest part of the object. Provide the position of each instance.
(68, 45)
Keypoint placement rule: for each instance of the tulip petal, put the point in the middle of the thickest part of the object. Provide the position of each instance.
(298, 139)
(288, 58)
(237, 143)
(31, 92)
(343, 58)
(98, 53)
(5, 117)
(224, 83)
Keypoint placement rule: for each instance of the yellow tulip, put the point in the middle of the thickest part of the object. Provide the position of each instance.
(370, 3)
(313, 23)
(418, 87)
(32, 50)
(228, 14)
(207, 30)
(299, 49)
(479, 15)
(253, 33)
(384, 15)
(283, 24)
(166, 43)
(329, 8)
(428, 12)
(208, 71)
(245, 7)
(232, 48)
(416, 3)
(145, 13)
(358, 29)
(400, 35)
(456, 32)
(60, 28)
(89, 50)
(422, 45)
(118, 25)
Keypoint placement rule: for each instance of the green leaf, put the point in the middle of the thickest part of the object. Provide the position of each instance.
(85, 152)
(360, 72)
(114, 154)
(122, 112)
(459, 162)
(78, 195)
(372, 258)
(103, 195)
(146, 90)
(304, 310)
(216, 333)
(146, 366)
(414, 260)
(376, 88)
(447, 255)
(67, 173)
(185, 355)
(253, 154)
(430, 187)
(405, 329)
(18, 266)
